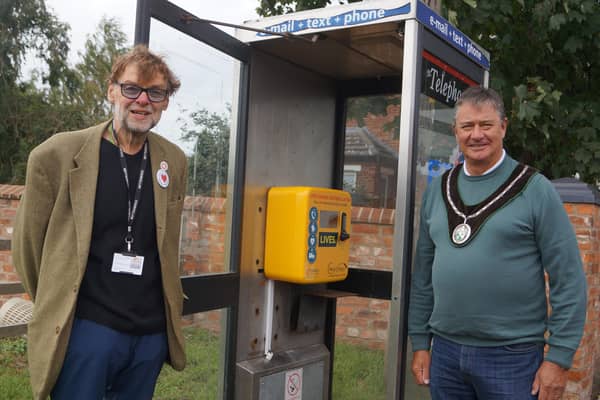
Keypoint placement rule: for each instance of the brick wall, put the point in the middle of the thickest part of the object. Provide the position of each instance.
(9, 200)
(378, 124)
(203, 236)
(359, 320)
(584, 377)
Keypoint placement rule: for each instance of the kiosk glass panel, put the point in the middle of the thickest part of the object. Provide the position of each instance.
(200, 120)
(437, 151)
(370, 174)
(203, 376)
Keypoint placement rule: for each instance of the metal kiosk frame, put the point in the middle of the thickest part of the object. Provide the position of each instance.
(296, 73)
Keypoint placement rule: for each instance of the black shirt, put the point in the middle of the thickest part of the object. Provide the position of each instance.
(124, 302)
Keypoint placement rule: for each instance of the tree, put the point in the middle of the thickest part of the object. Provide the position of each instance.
(208, 165)
(26, 27)
(55, 97)
(269, 8)
(94, 70)
(545, 60)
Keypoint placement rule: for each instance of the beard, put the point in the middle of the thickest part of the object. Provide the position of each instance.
(121, 114)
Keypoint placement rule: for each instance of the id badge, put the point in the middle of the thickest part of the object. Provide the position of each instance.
(128, 263)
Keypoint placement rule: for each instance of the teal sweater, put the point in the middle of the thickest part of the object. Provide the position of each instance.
(492, 292)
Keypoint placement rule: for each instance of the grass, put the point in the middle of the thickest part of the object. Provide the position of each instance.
(199, 380)
(358, 372)
(14, 377)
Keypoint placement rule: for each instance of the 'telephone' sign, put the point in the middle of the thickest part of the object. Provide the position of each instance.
(441, 81)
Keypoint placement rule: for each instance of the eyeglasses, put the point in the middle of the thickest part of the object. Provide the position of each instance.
(132, 92)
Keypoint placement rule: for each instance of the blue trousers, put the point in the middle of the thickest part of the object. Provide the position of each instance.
(461, 372)
(104, 364)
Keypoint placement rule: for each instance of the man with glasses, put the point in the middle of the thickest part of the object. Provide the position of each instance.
(96, 244)
(489, 229)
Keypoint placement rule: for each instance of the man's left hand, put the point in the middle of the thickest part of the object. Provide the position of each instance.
(550, 381)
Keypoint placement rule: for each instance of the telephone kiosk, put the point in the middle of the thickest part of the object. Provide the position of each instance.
(296, 232)
(290, 234)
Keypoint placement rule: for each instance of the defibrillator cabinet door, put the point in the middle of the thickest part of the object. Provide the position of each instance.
(207, 119)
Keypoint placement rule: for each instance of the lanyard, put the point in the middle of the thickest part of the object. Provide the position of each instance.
(131, 211)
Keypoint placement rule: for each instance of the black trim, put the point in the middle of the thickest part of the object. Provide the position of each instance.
(212, 292)
(240, 171)
(5, 244)
(187, 23)
(449, 55)
(329, 339)
(11, 288)
(371, 87)
(370, 283)
(339, 141)
(142, 22)
(236, 232)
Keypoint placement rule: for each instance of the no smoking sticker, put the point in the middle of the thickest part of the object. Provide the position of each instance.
(293, 384)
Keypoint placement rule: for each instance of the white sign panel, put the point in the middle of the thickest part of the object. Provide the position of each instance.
(328, 18)
(293, 385)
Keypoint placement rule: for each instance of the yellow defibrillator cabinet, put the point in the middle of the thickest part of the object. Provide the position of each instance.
(307, 234)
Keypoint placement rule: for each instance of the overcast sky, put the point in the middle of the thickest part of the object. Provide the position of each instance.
(207, 76)
(83, 16)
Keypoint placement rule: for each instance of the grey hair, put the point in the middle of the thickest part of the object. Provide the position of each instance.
(478, 95)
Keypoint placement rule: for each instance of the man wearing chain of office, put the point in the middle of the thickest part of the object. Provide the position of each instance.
(489, 229)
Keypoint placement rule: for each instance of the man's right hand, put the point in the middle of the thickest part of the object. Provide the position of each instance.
(420, 366)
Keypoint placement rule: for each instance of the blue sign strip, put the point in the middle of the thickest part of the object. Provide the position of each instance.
(452, 35)
(349, 18)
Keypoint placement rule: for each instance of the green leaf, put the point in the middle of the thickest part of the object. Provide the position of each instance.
(528, 111)
(573, 44)
(582, 155)
(556, 21)
(545, 130)
(576, 16)
(585, 134)
(521, 92)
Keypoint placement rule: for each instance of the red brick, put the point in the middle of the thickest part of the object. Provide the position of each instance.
(382, 325)
(368, 334)
(365, 228)
(586, 209)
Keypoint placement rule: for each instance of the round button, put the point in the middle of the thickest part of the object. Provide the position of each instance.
(57, 330)
(312, 240)
(313, 214)
(312, 255)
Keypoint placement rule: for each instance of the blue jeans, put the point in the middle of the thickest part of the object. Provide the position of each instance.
(460, 372)
(104, 364)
